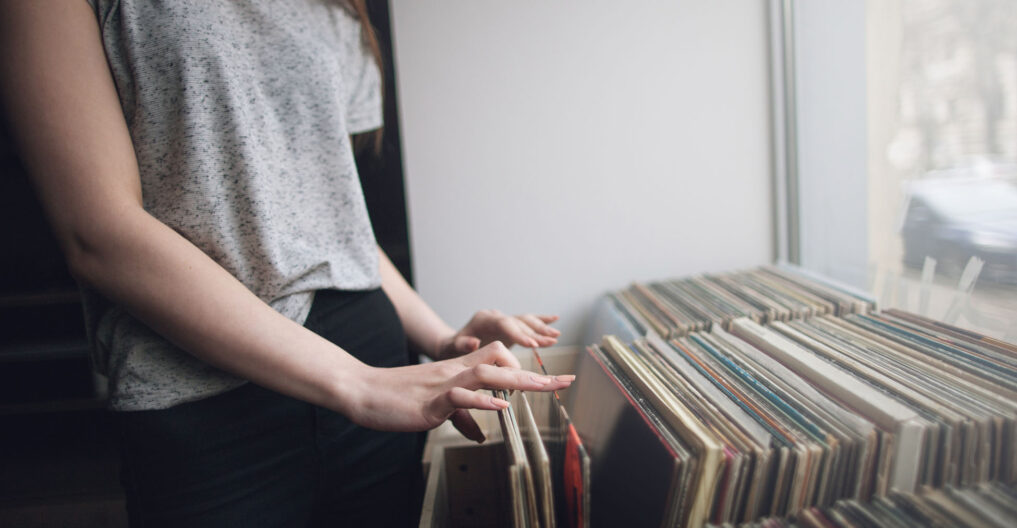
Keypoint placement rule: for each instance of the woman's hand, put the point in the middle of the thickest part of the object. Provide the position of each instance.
(488, 326)
(421, 397)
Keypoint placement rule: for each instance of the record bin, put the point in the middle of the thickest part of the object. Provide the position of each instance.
(465, 480)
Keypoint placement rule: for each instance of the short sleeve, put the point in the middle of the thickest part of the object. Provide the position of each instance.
(96, 8)
(103, 9)
(363, 100)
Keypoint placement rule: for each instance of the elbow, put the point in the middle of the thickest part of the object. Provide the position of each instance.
(83, 258)
(94, 249)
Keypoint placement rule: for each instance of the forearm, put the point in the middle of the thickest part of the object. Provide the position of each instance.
(424, 328)
(176, 289)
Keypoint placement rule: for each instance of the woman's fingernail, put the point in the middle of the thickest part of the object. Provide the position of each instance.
(498, 402)
(566, 377)
(543, 380)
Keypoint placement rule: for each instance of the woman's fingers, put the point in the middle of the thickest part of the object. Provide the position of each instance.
(494, 367)
(486, 376)
(515, 332)
(464, 422)
(460, 398)
(485, 373)
(539, 324)
(493, 354)
(529, 330)
(465, 344)
(454, 403)
(541, 340)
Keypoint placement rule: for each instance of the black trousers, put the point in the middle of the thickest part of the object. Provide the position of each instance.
(252, 457)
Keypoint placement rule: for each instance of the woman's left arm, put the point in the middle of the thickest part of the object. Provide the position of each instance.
(430, 335)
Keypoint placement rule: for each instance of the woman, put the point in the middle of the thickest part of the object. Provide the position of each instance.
(194, 160)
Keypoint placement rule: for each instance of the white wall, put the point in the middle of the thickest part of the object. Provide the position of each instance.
(557, 150)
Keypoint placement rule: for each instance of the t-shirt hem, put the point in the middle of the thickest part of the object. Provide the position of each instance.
(161, 403)
(363, 123)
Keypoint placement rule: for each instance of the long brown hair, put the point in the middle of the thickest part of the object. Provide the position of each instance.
(372, 139)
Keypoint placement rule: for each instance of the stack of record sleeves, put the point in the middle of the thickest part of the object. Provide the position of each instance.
(773, 394)
(989, 505)
(673, 308)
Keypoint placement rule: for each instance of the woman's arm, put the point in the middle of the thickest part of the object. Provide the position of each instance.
(63, 111)
(432, 336)
(424, 329)
(67, 122)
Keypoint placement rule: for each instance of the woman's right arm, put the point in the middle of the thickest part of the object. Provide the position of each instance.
(65, 117)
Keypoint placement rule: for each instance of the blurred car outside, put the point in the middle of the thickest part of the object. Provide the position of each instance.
(952, 216)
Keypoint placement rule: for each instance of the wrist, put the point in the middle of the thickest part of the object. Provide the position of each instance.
(374, 397)
(348, 390)
(441, 343)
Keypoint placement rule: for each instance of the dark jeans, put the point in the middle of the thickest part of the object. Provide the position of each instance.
(252, 457)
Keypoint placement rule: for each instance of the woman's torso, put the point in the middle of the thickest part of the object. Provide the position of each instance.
(240, 113)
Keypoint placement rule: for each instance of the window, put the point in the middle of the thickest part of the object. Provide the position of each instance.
(904, 150)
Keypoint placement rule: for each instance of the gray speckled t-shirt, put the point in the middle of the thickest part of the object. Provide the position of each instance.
(240, 113)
